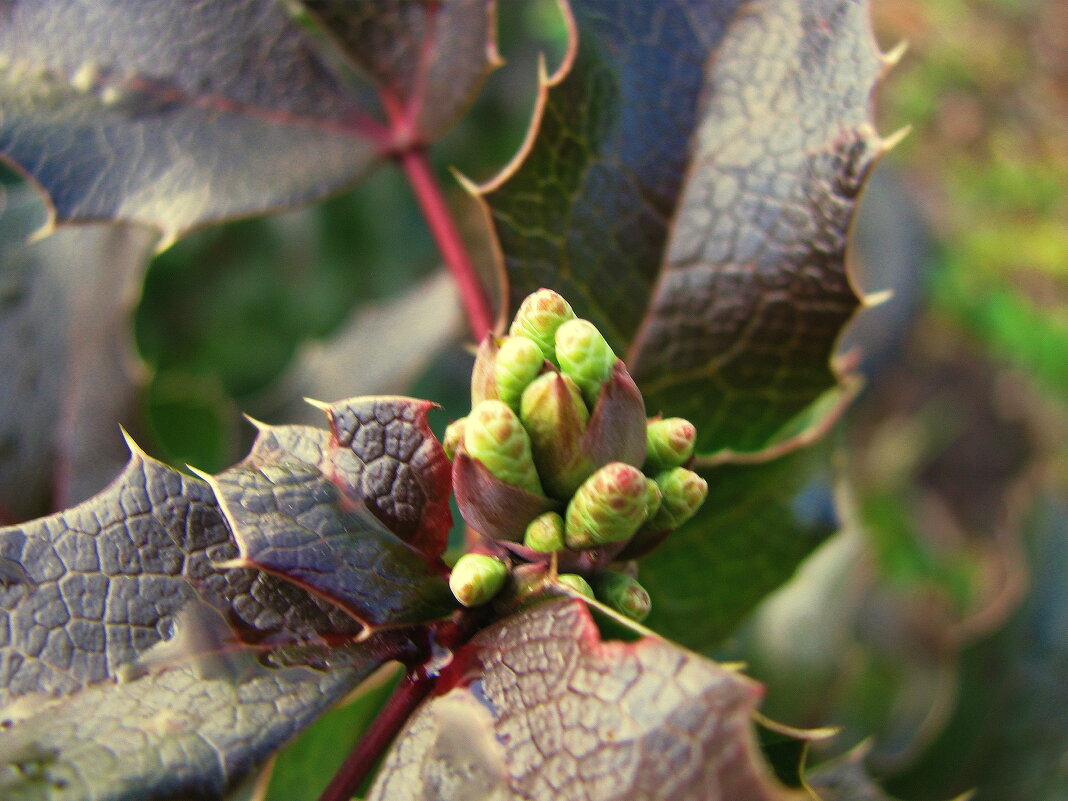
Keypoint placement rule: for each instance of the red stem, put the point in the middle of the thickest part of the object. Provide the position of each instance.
(443, 227)
(358, 765)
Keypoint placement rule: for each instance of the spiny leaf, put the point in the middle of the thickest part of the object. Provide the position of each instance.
(688, 185)
(755, 527)
(138, 662)
(179, 115)
(305, 505)
(541, 708)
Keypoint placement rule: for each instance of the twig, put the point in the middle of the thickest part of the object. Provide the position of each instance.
(443, 227)
(375, 741)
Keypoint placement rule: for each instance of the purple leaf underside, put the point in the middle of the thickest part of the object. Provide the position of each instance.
(178, 115)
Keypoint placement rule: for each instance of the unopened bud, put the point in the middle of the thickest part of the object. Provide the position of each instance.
(519, 361)
(545, 534)
(484, 372)
(454, 437)
(539, 315)
(555, 416)
(494, 436)
(577, 583)
(585, 356)
(669, 443)
(622, 593)
(683, 493)
(653, 498)
(476, 578)
(608, 507)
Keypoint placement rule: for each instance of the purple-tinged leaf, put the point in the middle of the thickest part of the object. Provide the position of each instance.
(70, 372)
(427, 58)
(540, 708)
(138, 662)
(179, 114)
(495, 508)
(688, 186)
(383, 451)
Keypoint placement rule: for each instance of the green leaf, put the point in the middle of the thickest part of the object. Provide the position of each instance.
(540, 707)
(180, 115)
(757, 524)
(688, 186)
(70, 372)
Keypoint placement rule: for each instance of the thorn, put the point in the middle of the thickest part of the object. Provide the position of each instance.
(318, 404)
(196, 471)
(892, 56)
(874, 299)
(466, 183)
(888, 143)
(259, 424)
(135, 449)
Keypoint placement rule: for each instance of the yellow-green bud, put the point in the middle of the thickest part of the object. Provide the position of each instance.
(519, 361)
(555, 416)
(609, 507)
(653, 499)
(494, 436)
(545, 534)
(576, 582)
(539, 315)
(585, 356)
(454, 436)
(622, 593)
(683, 493)
(476, 578)
(669, 443)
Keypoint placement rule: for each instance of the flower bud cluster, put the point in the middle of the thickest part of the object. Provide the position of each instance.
(557, 462)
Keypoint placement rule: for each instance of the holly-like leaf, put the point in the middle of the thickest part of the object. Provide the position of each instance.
(177, 115)
(541, 708)
(688, 185)
(139, 661)
(756, 526)
(306, 505)
(70, 372)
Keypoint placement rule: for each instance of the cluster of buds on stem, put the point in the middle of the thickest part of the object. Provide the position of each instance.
(557, 464)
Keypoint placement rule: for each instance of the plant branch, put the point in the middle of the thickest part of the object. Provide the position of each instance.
(359, 763)
(446, 234)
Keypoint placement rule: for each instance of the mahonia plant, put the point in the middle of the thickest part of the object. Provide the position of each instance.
(676, 221)
(557, 470)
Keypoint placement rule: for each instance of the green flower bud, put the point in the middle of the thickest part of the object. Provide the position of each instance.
(683, 493)
(545, 534)
(494, 436)
(669, 443)
(585, 356)
(555, 416)
(519, 361)
(608, 507)
(622, 593)
(576, 582)
(653, 499)
(540, 314)
(476, 578)
(454, 436)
